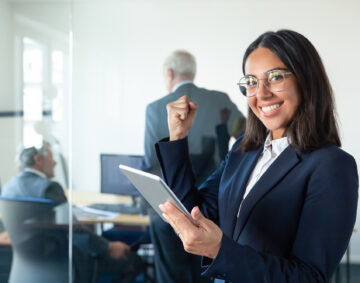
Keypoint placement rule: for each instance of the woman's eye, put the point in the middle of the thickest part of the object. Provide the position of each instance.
(274, 77)
(251, 82)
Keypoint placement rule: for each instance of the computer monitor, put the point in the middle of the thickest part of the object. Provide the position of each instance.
(113, 181)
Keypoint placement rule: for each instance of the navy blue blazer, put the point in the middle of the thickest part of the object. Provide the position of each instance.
(294, 225)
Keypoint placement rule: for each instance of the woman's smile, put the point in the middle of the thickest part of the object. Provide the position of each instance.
(270, 108)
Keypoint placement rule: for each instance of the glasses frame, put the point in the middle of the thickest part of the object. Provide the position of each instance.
(284, 72)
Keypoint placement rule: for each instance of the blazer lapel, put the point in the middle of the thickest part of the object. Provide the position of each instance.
(234, 195)
(281, 166)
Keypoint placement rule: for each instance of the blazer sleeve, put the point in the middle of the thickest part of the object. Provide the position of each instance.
(325, 227)
(56, 193)
(177, 173)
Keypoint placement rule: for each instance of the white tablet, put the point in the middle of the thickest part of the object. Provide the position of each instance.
(154, 190)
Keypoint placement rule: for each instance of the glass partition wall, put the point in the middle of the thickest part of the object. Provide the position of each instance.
(34, 142)
(51, 143)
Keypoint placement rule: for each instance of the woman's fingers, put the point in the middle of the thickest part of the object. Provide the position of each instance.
(181, 114)
(175, 217)
(204, 239)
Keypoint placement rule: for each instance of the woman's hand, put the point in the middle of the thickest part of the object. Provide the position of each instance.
(204, 240)
(181, 115)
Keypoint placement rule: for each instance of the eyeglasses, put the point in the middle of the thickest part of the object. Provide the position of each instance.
(274, 81)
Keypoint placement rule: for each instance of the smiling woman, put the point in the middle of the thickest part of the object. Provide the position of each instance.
(303, 99)
(282, 206)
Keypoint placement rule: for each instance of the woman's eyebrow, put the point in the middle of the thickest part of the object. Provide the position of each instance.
(273, 69)
(277, 68)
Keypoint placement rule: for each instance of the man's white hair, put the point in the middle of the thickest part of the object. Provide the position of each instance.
(27, 155)
(182, 63)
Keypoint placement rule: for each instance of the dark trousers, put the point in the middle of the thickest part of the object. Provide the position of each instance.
(92, 261)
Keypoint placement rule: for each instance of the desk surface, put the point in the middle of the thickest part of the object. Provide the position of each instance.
(84, 197)
(122, 219)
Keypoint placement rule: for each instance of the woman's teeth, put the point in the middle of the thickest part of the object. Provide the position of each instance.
(270, 108)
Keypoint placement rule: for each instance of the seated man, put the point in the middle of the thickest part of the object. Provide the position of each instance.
(37, 168)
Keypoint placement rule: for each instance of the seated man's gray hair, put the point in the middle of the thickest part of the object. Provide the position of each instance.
(182, 63)
(27, 155)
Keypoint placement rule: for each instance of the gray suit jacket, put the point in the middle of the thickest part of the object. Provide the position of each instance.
(203, 140)
(28, 184)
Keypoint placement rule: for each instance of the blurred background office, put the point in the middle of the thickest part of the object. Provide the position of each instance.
(80, 73)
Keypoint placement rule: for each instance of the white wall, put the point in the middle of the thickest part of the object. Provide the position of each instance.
(119, 48)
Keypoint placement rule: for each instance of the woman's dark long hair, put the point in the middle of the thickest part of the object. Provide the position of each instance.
(313, 124)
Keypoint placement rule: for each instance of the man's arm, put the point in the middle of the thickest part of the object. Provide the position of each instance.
(55, 193)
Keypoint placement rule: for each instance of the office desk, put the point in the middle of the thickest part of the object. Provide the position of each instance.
(84, 197)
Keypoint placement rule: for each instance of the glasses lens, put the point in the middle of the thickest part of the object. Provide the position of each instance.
(242, 89)
(276, 79)
(248, 85)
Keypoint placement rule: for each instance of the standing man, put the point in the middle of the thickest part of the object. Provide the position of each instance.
(208, 140)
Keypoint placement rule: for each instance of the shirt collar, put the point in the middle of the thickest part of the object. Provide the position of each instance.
(275, 146)
(180, 84)
(36, 172)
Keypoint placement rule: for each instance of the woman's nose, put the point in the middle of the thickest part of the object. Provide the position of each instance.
(263, 90)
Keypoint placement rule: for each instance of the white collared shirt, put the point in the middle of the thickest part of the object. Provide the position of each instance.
(180, 84)
(37, 172)
(272, 149)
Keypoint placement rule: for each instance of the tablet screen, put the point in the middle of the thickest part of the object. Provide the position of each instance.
(154, 190)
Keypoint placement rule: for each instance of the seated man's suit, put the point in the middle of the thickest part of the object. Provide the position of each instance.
(86, 243)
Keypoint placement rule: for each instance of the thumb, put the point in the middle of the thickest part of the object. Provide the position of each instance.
(197, 215)
(193, 105)
(192, 109)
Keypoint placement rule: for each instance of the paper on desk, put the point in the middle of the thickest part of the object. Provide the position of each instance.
(84, 212)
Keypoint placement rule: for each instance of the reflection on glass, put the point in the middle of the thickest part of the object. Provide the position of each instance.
(57, 66)
(57, 105)
(31, 137)
(56, 92)
(32, 90)
(32, 103)
(32, 61)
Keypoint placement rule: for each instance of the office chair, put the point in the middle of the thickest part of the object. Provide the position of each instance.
(39, 253)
